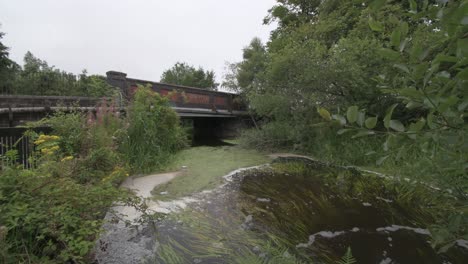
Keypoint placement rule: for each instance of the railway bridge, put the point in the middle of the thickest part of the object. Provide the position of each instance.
(212, 114)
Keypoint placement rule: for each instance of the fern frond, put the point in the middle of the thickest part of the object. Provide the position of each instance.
(347, 258)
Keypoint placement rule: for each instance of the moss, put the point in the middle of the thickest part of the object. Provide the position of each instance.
(205, 167)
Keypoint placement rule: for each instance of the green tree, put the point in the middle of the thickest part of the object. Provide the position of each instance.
(38, 78)
(8, 69)
(245, 76)
(184, 74)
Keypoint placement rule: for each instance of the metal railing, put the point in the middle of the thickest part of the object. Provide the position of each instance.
(16, 148)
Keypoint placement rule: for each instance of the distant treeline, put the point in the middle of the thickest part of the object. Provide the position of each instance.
(36, 77)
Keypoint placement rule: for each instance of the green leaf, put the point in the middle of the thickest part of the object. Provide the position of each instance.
(463, 75)
(462, 48)
(363, 133)
(388, 116)
(340, 118)
(397, 126)
(342, 131)
(444, 58)
(352, 114)
(418, 126)
(404, 29)
(381, 160)
(321, 124)
(413, 6)
(389, 54)
(376, 5)
(361, 118)
(347, 258)
(447, 103)
(371, 122)
(375, 25)
(396, 38)
(324, 113)
(402, 67)
(430, 120)
(413, 105)
(418, 53)
(411, 93)
(403, 44)
(425, 4)
(463, 105)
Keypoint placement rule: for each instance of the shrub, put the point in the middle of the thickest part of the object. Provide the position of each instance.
(154, 132)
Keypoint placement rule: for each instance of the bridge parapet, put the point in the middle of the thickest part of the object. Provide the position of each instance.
(180, 96)
(23, 101)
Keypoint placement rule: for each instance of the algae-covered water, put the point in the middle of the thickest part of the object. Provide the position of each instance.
(305, 212)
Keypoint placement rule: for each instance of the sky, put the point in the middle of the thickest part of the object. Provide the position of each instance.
(140, 37)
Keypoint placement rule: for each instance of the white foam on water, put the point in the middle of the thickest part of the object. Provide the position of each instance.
(325, 234)
(386, 261)
(394, 228)
(462, 243)
(383, 199)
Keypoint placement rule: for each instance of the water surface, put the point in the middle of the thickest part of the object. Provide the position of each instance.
(303, 212)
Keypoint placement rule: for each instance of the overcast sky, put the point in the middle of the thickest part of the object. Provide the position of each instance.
(139, 37)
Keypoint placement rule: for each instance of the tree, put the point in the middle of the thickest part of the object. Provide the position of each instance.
(245, 76)
(8, 69)
(184, 74)
(38, 78)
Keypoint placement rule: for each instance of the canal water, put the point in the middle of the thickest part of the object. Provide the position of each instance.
(300, 211)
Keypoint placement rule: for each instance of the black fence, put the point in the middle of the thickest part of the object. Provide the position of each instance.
(16, 148)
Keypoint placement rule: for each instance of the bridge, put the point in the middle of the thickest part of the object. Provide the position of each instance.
(212, 114)
(188, 102)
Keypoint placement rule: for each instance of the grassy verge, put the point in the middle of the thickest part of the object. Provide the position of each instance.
(205, 168)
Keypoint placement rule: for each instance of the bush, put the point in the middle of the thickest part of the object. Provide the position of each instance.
(50, 219)
(154, 132)
(54, 212)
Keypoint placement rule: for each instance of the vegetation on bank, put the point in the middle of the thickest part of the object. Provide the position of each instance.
(53, 212)
(153, 134)
(370, 83)
(203, 168)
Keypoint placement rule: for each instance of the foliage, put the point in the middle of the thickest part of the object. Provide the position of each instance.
(184, 74)
(370, 83)
(54, 212)
(51, 219)
(429, 80)
(36, 77)
(347, 258)
(243, 76)
(7, 67)
(154, 132)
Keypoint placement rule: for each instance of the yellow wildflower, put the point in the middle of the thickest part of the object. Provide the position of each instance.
(54, 148)
(67, 158)
(39, 141)
(45, 138)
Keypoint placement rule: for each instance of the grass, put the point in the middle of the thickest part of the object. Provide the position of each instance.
(205, 168)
